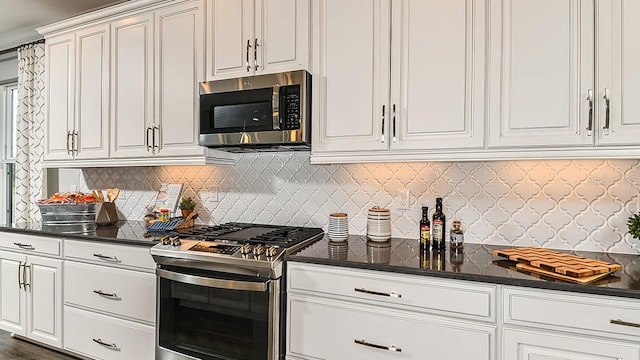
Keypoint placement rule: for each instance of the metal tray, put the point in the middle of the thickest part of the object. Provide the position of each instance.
(80, 217)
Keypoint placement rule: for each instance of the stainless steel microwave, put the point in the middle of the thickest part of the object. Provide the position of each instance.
(263, 112)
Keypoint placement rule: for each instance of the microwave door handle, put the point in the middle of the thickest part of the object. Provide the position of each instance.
(212, 282)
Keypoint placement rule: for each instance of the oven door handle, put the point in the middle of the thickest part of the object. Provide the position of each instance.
(212, 282)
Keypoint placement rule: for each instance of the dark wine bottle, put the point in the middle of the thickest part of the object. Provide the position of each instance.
(425, 229)
(438, 225)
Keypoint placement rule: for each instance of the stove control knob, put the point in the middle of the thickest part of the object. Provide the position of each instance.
(258, 249)
(245, 249)
(175, 241)
(271, 251)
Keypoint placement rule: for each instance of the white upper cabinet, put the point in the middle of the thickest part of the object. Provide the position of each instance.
(351, 75)
(60, 78)
(248, 37)
(618, 75)
(123, 90)
(409, 79)
(132, 124)
(92, 93)
(541, 72)
(438, 93)
(78, 95)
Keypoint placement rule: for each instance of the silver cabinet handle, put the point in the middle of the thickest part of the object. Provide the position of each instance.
(69, 135)
(255, 55)
(110, 346)
(624, 323)
(394, 122)
(149, 128)
(248, 47)
(391, 294)
(107, 258)
(20, 279)
(389, 348)
(113, 296)
(156, 127)
(74, 141)
(590, 101)
(24, 246)
(24, 276)
(383, 118)
(607, 111)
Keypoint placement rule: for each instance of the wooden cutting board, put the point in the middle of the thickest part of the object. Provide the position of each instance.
(559, 265)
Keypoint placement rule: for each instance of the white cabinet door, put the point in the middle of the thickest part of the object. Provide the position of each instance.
(535, 345)
(247, 37)
(351, 75)
(438, 74)
(230, 38)
(179, 67)
(541, 69)
(132, 86)
(617, 56)
(92, 93)
(60, 79)
(13, 306)
(44, 300)
(282, 30)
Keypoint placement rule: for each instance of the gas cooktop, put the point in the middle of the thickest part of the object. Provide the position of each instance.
(237, 246)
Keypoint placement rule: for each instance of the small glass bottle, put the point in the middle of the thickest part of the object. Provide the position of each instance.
(164, 215)
(425, 229)
(456, 240)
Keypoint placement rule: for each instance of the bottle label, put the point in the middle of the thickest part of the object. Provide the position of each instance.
(425, 235)
(438, 231)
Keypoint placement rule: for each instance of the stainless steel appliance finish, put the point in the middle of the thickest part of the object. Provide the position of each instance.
(219, 291)
(257, 113)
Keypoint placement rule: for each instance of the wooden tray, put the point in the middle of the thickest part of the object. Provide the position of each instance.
(554, 262)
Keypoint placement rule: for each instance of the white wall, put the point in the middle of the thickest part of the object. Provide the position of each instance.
(578, 205)
(8, 67)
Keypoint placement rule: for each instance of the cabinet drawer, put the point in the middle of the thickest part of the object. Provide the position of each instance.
(324, 328)
(127, 293)
(122, 339)
(411, 292)
(123, 255)
(576, 312)
(30, 244)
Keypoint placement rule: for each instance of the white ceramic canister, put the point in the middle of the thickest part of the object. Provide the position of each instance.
(379, 224)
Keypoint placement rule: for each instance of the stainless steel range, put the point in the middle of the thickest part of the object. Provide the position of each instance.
(219, 291)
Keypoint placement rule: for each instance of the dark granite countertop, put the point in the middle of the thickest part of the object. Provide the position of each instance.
(123, 232)
(474, 263)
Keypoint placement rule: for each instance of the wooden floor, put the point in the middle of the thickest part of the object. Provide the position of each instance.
(15, 349)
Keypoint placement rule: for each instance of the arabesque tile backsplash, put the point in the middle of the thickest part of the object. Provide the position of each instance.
(562, 204)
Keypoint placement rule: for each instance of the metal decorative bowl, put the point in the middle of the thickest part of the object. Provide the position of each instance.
(69, 218)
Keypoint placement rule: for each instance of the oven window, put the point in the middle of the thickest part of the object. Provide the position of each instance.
(213, 323)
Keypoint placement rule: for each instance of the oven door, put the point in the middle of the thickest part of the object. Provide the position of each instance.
(209, 315)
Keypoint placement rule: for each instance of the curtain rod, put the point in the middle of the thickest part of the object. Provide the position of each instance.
(13, 49)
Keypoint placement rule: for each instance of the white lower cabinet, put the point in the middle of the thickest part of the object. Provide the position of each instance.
(355, 316)
(109, 300)
(556, 325)
(519, 344)
(349, 330)
(31, 297)
(105, 337)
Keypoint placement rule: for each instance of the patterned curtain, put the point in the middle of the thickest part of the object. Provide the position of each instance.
(30, 135)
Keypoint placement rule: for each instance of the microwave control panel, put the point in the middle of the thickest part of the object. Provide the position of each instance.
(290, 107)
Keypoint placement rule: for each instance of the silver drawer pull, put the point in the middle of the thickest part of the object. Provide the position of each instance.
(107, 258)
(391, 294)
(110, 346)
(24, 246)
(113, 296)
(624, 323)
(389, 348)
